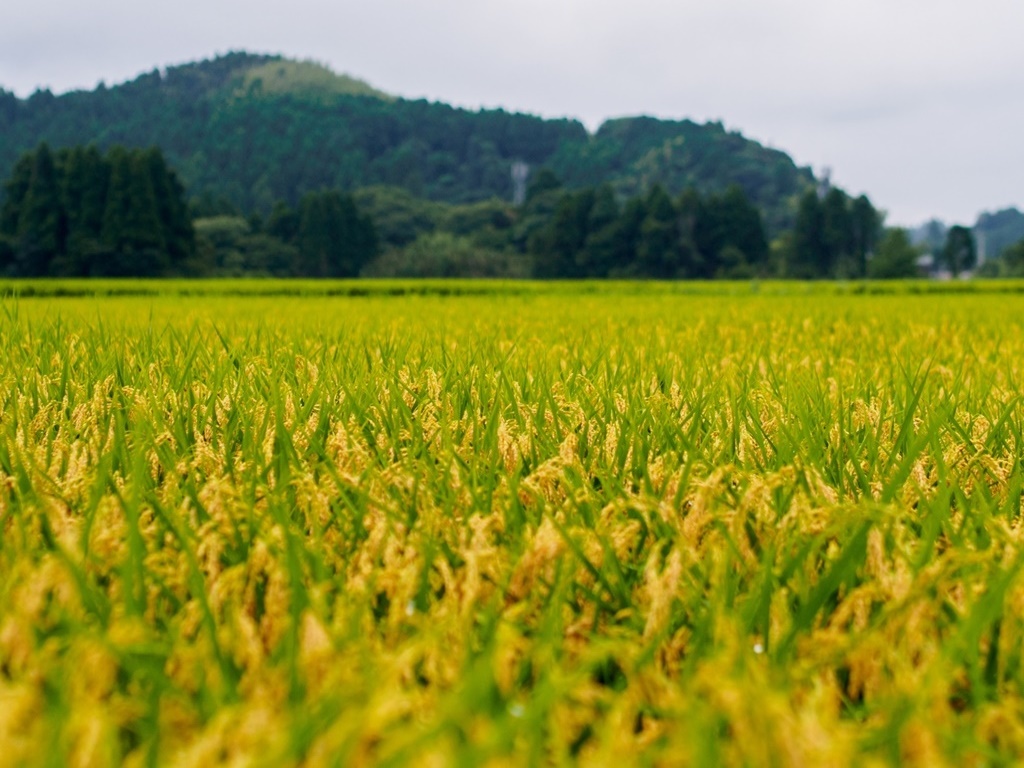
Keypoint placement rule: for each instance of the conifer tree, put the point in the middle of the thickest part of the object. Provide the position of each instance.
(41, 224)
(600, 246)
(696, 253)
(15, 190)
(837, 236)
(283, 222)
(867, 231)
(175, 222)
(84, 182)
(362, 238)
(743, 231)
(658, 245)
(808, 258)
(567, 235)
(334, 240)
(131, 223)
(627, 236)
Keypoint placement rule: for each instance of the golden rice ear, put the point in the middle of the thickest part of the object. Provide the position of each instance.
(746, 529)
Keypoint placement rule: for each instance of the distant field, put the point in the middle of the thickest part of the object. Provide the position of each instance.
(473, 523)
(33, 288)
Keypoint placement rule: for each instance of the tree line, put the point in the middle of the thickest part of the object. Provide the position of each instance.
(589, 234)
(78, 213)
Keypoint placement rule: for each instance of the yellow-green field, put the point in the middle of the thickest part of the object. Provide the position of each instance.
(532, 525)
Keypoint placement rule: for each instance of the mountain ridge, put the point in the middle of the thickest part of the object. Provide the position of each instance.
(254, 128)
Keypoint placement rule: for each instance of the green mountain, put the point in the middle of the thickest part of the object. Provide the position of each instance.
(253, 129)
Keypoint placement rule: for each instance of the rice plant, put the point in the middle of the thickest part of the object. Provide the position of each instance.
(530, 525)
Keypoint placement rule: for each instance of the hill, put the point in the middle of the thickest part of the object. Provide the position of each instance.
(252, 129)
(307, 79)
(998, 231)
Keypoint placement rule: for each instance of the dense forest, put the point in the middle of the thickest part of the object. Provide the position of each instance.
(79, 212)
(82, 213)
(257, 165)
(253, 130)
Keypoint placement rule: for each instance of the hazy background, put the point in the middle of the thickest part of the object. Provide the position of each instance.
(915, 102)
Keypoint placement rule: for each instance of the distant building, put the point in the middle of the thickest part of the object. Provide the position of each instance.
(925, 264)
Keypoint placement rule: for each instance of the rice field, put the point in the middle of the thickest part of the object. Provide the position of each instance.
(543, 525)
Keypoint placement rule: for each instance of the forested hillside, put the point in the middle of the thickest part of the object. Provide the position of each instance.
(252, 130)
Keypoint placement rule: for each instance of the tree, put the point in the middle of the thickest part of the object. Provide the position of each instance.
(740, 246)
(866, 223)
(15, 190)
(41, 223)
(543, 181)
(132, 234)
(77, 212)
(443, 254)
(172, 212)
(85, 179)
(895, 258)
(6, 253)
(837, 236)
(559, 252)
(333, 239)
(697, 241)
(600, 251)
(808, 258)
(959, 252)
(657, 250)
(283, 222)
(229, 247)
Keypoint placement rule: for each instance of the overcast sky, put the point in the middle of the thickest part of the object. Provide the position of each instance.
(915, 102)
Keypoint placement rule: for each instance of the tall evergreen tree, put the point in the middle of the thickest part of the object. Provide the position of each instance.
(79, 213)
(837, 236)
(600, 250)
(334, 240)
(362, 238)
(809, 256)
(867, 231)
(744, 228)
(15, 190)
(41, 223)
(283, 222)
(131, 222)
(563, 255)
(627, 237)
(84, 191)
(658, 246)
(169, 196)
(729, 234)
(696, 239)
